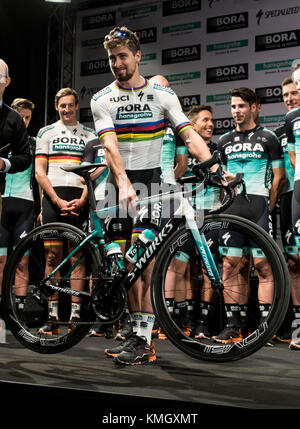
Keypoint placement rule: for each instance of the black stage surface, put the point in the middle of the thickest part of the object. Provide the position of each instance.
(86, 386)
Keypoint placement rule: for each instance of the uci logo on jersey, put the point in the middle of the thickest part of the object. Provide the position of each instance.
(117, 99)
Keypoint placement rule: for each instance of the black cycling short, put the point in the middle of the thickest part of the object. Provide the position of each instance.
(17, 220)
(286, 224)
(51, 213)
(121, 226)
(296, 212)
(233, 243)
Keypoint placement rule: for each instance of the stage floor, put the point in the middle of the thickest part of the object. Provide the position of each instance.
(267, 380)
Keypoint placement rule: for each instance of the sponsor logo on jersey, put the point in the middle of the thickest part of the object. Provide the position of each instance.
(275, 13)
(181, 54)
(227, 73)
(118, 99)
(89, 68)
(188, 101)
(296, 125)
(100, 20)
(147, 35)
(227, 22)
(223, 125)
(270, 94)
(244, 147)
(172, 7)
(134, 111)
(280, 40)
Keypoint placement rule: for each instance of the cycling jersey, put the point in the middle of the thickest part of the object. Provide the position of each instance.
(292, 122)
(61, 146)
(281, 133)
(137, 117)
(172, 147)
(94, 153)
(254, 153)
(20, 185)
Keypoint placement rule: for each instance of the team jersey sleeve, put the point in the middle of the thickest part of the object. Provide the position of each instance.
(172, 108)
(275, 151)
(42, 145)
(103, 121)
(290, 134)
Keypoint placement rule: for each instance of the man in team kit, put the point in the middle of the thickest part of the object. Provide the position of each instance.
(64, 196)
(20, 208)
(129, 116)
(291, 99)
(257, 153)
(292, 123)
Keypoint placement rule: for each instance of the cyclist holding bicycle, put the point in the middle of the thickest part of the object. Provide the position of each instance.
(257, 153)
(129, 117)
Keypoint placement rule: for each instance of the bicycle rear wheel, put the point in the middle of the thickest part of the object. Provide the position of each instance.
(26, 299)
(264, 286)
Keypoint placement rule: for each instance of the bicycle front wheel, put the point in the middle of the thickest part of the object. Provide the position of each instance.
(40, 317)
(255, 285)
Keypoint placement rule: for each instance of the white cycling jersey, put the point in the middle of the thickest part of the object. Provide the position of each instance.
(138, 117)
(61, 146)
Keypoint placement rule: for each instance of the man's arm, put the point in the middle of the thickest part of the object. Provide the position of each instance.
(181, 165)
(44, 182)
(20, 149)
(292, 156)
(278, 183)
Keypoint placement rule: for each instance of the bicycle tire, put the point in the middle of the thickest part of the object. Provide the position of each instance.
(26, 325)
(207, 348)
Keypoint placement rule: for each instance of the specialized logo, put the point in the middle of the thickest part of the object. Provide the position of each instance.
(227, 22)
(106, 19)
(275, 13)
(172, 7)
(281, 40)
(92, 67)
(223, 125)
(271, 94)
(181, 54)
(188, 101)
(227, 73)
(147, 35)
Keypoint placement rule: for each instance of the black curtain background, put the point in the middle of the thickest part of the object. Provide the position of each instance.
(23, 46)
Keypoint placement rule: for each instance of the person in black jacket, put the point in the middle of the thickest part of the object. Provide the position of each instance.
(13, 134)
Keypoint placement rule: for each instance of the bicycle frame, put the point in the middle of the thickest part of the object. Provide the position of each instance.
(184, 211)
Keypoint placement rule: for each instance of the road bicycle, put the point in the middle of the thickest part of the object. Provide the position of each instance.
(105, 283)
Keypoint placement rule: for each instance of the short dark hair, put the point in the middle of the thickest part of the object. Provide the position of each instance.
(287, 81)
(122, 36)
(245, 94)
(194, 110)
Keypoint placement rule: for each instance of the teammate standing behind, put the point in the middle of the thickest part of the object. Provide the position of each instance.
(20, 206)
(291, 99)
(64, 196)
(255, 152)
(292, 122)
(129, 117)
